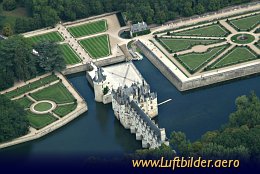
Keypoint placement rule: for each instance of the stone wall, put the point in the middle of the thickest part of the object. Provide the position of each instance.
(205, 80)
(160, 65)
(110, 61)
(75, 69)
(46, 129)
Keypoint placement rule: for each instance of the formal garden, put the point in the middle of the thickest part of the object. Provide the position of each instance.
(51, 36)
(45, 100)
(210, 45)
(88, 28)
(97, 47)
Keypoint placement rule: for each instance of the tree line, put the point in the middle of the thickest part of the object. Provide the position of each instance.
(18, 63)
(13, 122)
(238, 139)
(44, 13)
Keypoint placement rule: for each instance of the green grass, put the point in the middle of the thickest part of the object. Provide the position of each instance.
(237, 55)
(40, 121)
(247, 22)
(89, 28)
(183, 44)
(206, 31)
(65, 109)
(52, 37)
(57, 93)
(31, 86)
(250, 38)
(194, 60)
(97, 47)
(24, 102)
(44, 106)
(69, 54)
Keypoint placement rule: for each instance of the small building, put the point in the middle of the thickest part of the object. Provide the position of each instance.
(138, 29)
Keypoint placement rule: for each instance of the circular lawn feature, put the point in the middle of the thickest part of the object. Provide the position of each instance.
(43, 106)
(242, 38)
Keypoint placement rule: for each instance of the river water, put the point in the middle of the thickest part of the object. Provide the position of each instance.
(98, 132)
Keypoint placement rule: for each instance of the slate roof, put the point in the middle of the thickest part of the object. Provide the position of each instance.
(99, 76)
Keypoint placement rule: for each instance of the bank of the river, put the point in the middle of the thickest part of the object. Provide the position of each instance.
(97, 132)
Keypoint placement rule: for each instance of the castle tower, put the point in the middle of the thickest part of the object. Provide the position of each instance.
(100, 83)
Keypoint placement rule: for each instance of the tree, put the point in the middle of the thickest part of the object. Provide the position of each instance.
(199, 9)
(50, 57)
(16, 61)
(7, 30)
(9, 5)
(13, 122)
(105, 90)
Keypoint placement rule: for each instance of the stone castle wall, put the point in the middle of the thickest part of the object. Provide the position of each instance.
(200, 81)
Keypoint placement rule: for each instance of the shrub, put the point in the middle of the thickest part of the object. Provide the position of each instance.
(9, 5)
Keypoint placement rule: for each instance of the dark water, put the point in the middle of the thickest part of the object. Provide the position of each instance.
(97, 131)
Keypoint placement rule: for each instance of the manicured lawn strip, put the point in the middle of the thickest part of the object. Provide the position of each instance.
(52, 36)
(69, 54)
(40, 121)
(206, 31)
(237, 55)
(193, 61)
(65, 109)
(42, 106)
(24, 102)
(97, 47)
(32, 86)
(246, 23)
(57, 93)
(89, 28)
(184, 44)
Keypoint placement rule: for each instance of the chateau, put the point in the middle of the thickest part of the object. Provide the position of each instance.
(134, 107)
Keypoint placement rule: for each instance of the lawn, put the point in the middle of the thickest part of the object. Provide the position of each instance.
(89, 28)
(184, 44)
(247, 22)
(24, 102)
(65, 109)
(51, 36)
(31, 86)
(69, 54)
(40, 121)
(97, 47)
(237, 55)
(57, 93)
(44, 106)
(206, 31)
(195, 60)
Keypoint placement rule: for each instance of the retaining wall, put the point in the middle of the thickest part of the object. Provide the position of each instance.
(207, 79)
(110, 61)
(47, 129)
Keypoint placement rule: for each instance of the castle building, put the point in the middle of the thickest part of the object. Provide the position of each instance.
(134, 107)
(100, 83)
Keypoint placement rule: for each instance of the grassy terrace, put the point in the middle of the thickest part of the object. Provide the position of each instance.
(44, 106)
(237, 55)
(89, 28)
(40, 121)
(65, 109)
(97, 47)
(194, 61)
(24, 102)
(183, 44)
(31, 86)
(52, 36)
(246, 22)
(69, 54)
(57, 93)
(206, 31)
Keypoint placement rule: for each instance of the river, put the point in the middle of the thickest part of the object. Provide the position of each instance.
(98, 132)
